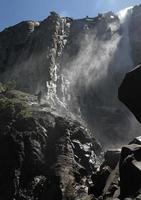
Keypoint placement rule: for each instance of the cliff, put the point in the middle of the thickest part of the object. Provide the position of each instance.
(67, 73)
(43, 155)
(78, 66)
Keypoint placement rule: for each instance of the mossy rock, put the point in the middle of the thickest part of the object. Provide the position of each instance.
(16, 107)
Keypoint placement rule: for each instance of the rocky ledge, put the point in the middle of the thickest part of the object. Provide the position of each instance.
(119, 177)
(43, 155)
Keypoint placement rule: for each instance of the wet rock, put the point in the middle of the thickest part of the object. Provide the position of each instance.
(124, 181)
(112, 157)
(51, 189)
(127, 198)
(42, 155)
(131, 98)
(130, 161)
(32, 48)
(99, 180)
(136, 140)
(130, 170)
(138, 197)
(42, 51)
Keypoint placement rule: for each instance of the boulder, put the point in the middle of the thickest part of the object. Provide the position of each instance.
(138, 197)
(99, 180)
(136, 140)
(130, 170)
(129, 92)
(112, 157)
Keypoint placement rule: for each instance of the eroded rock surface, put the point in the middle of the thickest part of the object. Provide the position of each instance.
(42, 155)
(130, 170)
(129, 91)
(62, 58)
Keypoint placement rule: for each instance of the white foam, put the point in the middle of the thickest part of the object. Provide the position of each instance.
(122, 14)
(112, 17)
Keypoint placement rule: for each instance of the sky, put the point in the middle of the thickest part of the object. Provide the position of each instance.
(15, 11)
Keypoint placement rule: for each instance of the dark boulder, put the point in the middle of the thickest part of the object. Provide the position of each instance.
(112, 157)
(130, 170)
(105, 180)
(136, 140)
(130, 93)
(99, 180)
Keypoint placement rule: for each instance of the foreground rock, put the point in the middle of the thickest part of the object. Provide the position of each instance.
(42, 155)
(112, 157)
(130, 160)
(130, 170)
(121, 180)
(105, 180)
(129, 91)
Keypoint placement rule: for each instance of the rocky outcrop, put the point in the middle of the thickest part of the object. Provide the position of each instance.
(129, 166)
(105, 179)
(124, 180)
(129, 91)
(96, 101)
(42, 155)
(112, 157)
(130, 170)
(126, 177)
(32, 49)
(99, 181)
(45, 153)
(62, 58)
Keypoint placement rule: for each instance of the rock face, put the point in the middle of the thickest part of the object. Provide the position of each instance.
(32, 48)
(129, 91)
(130, 160)
(73, 67)
(62, 57)
(130, 170)
(112, 157)
(122, 181)
(42, 155)
(106, 178)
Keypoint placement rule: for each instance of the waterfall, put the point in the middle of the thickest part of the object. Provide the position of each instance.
(124, 14)
(84, 81)
(57, 83)
(95, 75)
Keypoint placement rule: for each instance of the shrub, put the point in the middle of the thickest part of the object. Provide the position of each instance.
(10, 85)
(15, 107)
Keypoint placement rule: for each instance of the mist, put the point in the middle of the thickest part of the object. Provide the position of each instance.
(94, 77)
(79, 72)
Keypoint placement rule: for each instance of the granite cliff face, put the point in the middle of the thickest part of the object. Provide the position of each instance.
(48, 143)
(43, 155)
(32, 50)
(78, 65)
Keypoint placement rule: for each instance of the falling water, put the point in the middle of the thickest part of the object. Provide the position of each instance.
(94, 77)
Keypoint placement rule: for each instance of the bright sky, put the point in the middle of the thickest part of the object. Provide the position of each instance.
(14, 11)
